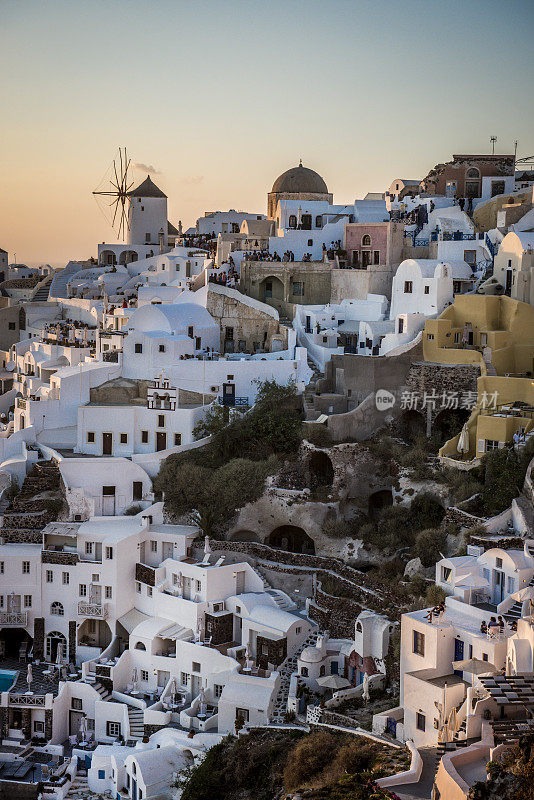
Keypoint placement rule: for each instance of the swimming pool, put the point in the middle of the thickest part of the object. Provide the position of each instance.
(7, 679)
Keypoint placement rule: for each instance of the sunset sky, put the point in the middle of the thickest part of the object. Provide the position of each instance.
(221, 97)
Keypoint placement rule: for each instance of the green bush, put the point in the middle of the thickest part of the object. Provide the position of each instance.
(338, 529)
(429, 544)
(213, 494)
(319, 435)
(426, 511)
(504, 474)
(131, 511)
(435, 595)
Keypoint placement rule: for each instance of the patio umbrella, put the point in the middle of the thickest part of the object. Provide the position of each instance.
(59, 654)
(207, 546)
(365, 694)
(463, 440)
(134, 679)
(333, 682)
(172, 690)
(203, 702)
(452, 723)
(29, 678)
(475, 666)
(82, 730)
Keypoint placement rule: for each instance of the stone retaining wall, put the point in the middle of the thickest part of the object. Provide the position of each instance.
(462, 518)
(21, 535)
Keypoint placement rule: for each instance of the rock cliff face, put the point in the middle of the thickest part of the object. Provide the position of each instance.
(346, 481)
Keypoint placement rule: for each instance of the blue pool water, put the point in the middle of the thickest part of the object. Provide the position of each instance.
(6, 679)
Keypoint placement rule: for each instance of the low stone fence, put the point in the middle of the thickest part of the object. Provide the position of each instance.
(301, 560)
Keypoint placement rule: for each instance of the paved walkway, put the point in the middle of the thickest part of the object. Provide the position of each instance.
(423, 789)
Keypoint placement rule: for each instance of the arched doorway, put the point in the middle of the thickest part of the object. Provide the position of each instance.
(12, 639)
(94, 633)
(291, 538)
(321, 469)
(378, 501)
(108, 257)
(271, 288)
(127, 257)
(449, 423)
(413, 426)
(244, 536)
(55, 640)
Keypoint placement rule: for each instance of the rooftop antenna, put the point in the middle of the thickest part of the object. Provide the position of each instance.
(493, 139)
(515, 152)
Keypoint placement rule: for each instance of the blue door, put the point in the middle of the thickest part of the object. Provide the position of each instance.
(334, 667)
(458, 654)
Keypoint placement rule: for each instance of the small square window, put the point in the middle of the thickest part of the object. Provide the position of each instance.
(101, 774)
(161, 420)
(109, 552)
(427, 289)
(144, 675)
(138, 587)
(12, 326)
(177, 439)
(149, 591)
(154, 546)
(108, 592)
(25, 567)
(420, 721)
(1, 567)
(408, 287)
(76, 704)
(90, 436)
(138, 347)
(66, 578)
(27, 601)
(38, 726)
(49, 576)
(83, 589)
(162, 348)
(124, 438)
(144, 437)
(195, 667)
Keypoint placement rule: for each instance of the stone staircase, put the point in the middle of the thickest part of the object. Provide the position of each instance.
(286, 669)
(79, 787)
(25, 517)
(309, 392)
(281, 599)
(490, 369)
(104, 693)
(41, 295)
(137, 727)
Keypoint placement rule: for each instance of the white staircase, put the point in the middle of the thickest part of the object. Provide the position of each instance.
(281, 599)
(79, 787)
(102, 691)
(137, 727)
(286, 669)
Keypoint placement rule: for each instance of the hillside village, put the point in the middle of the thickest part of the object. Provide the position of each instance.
(267, 486)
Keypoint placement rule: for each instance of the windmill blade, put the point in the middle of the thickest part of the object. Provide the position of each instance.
(115, 212)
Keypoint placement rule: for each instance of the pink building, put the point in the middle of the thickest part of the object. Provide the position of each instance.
(373, 243)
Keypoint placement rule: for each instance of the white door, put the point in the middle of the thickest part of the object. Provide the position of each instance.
(196, 685)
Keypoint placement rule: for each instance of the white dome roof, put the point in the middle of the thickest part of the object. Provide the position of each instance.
(312, 655)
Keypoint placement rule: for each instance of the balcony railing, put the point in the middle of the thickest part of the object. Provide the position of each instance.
(98, 610)
(27, 699)
(15, 618)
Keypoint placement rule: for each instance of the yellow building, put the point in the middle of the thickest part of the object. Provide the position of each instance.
(497, 333)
